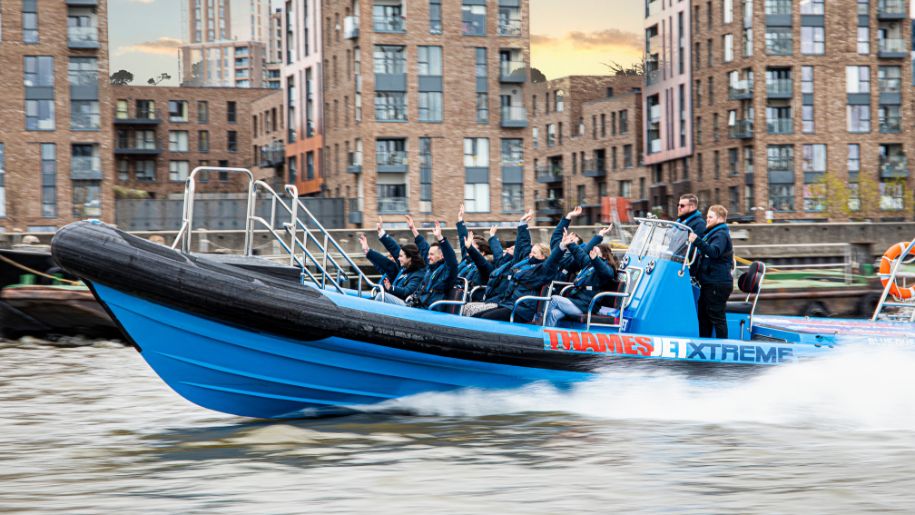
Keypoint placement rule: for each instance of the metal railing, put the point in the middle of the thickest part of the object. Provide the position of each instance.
(891, 281)
(327, 267)
(847, 264)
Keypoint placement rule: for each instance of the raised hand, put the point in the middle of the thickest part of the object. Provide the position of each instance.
(411, 225)
(595, 253)
(461, 213)
(387, 284)
(437, 230)
(492, 231)
(575, 212)
(692, 237)
(606, 230)
(527, 217)
(468, 240)
(379, 226)
(364, 242)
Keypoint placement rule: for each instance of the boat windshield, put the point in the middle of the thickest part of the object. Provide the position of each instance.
(660, 239)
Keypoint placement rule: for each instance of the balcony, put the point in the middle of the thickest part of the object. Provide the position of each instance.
(594, 168)
(652, 77)
(355, 214)
(137, 150)
(514, 72)
(351, 27)
(510, 27)
(549, 174)
(549, 206)
(780, 88)
(388, 24)
(892, 48)
(394, 161)
(514, 117)
(272, 155)
(891, 10)
(743, 129)
(780, 126)
(141, 118)
(741, 90)
(891, 124)
(82, 37)
(354, 163)
(894, 167)
(392, 206)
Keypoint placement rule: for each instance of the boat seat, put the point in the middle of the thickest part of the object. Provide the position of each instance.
(457, 294)
(751, 280)
(743, 308)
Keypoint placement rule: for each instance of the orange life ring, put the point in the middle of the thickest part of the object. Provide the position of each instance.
(886, 264)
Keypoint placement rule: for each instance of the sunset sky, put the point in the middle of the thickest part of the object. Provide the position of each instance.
(568, 37)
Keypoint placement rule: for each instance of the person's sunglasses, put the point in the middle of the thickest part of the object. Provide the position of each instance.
(682, 205)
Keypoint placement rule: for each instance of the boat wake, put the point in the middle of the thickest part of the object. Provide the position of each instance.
(858, 387)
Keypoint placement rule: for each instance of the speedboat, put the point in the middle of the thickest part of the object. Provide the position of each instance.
(250, 337)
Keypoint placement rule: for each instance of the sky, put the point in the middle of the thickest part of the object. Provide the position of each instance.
(568, 37)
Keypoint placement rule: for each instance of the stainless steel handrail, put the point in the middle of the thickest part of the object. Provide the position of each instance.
(891, 280)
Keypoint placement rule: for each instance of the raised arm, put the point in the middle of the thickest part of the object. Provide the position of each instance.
(563, 224)
(448, 254)
(495, 245)
(523, 239)
(598, 238)
(378, 260)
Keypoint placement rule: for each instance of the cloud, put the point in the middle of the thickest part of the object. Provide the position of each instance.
(161, 46)
(590, 40)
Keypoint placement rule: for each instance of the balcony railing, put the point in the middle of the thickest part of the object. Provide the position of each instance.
(351, 27)
(272, 155)
(354, 162)
(82, 37)
(512, 71)
(741, 90)
(388, 23)
(780, 126)
(780, 87)
(892, 47)
(743, 129)
(778, 7)
(510, 27)
(549, 173)
(891, 9)
(891, 124)
(392, 158)
(86, 167)
(894, 167)
(141, 117)
(392, 205)
(549, 206)
(652, 77)
(780, 165)
(514, 117)
(594, 168)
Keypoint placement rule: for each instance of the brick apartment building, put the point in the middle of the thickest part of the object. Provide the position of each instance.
(755, 105)
(424, 108)
(55, 128)
(587, 145)
(268, 133)
(162, 133)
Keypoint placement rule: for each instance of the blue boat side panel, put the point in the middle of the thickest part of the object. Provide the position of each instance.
(209, 363)
(663, 302)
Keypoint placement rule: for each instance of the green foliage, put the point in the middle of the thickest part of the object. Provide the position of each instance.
(121, 78)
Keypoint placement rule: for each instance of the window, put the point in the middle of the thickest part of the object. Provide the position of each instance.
(559, 99)
(435, 17)
(30, 22)
(203, 111)
(859, 118)
(892, 195)
(232, 141)
(733, 158)
(509, 20)
(813, 40)
(513, 152)
(624, 122)
(430, 106)
(781, 197)
(857, 79)
(483, 108)
(122, 111)
(390, 59)
(814, 159)
(473, 18)
(87, 199)
(864, 40)
(480, 56)
(425, 175)
(476, 152)
(779, 41)
(889, 79)
(391, 152)
(727, 10)
(203, 141)
(231, 112)
(123, 168)
(627, 156)
(812, 7)
(890, 118)
(535, 137)
(390, 106)
(512, 198)
(39, 115)
(476, 197)
(85, 115)
(429, 60)
(177, 111)
(392, 198)
(386, 16)
(39, 71)
(2, 180)
(48, 180)
(728, 43)
(551, 134)
(177, 141)
(146, 109)
(815, 197)
(178, 170)
(145, 170)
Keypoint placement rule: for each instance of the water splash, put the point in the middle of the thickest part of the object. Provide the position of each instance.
(857, 387)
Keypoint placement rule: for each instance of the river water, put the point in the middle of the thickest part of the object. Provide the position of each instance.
(87, 427)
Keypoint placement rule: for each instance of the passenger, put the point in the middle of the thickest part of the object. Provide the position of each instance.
(401, 277)
(526, 278)
(497, 282)
(714, 273)
(568, 265)
(689, 215)
(440, 274)
(467, 269)
(598, 274)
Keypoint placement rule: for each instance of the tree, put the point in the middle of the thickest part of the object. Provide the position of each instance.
(838, 196)
(121, 78)
(633, 70)
(537, 76)
(869, 197)
(154, 81)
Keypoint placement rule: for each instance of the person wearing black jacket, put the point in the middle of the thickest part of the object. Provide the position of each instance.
(689, 215)
(401, 277)
(716, 261)
(497, 272)
(598, 274)
(441, 272)
(467, 268)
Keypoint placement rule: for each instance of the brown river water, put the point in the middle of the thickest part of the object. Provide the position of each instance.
(87, 427)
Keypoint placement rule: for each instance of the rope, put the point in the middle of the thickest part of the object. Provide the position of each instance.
(36, 272)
